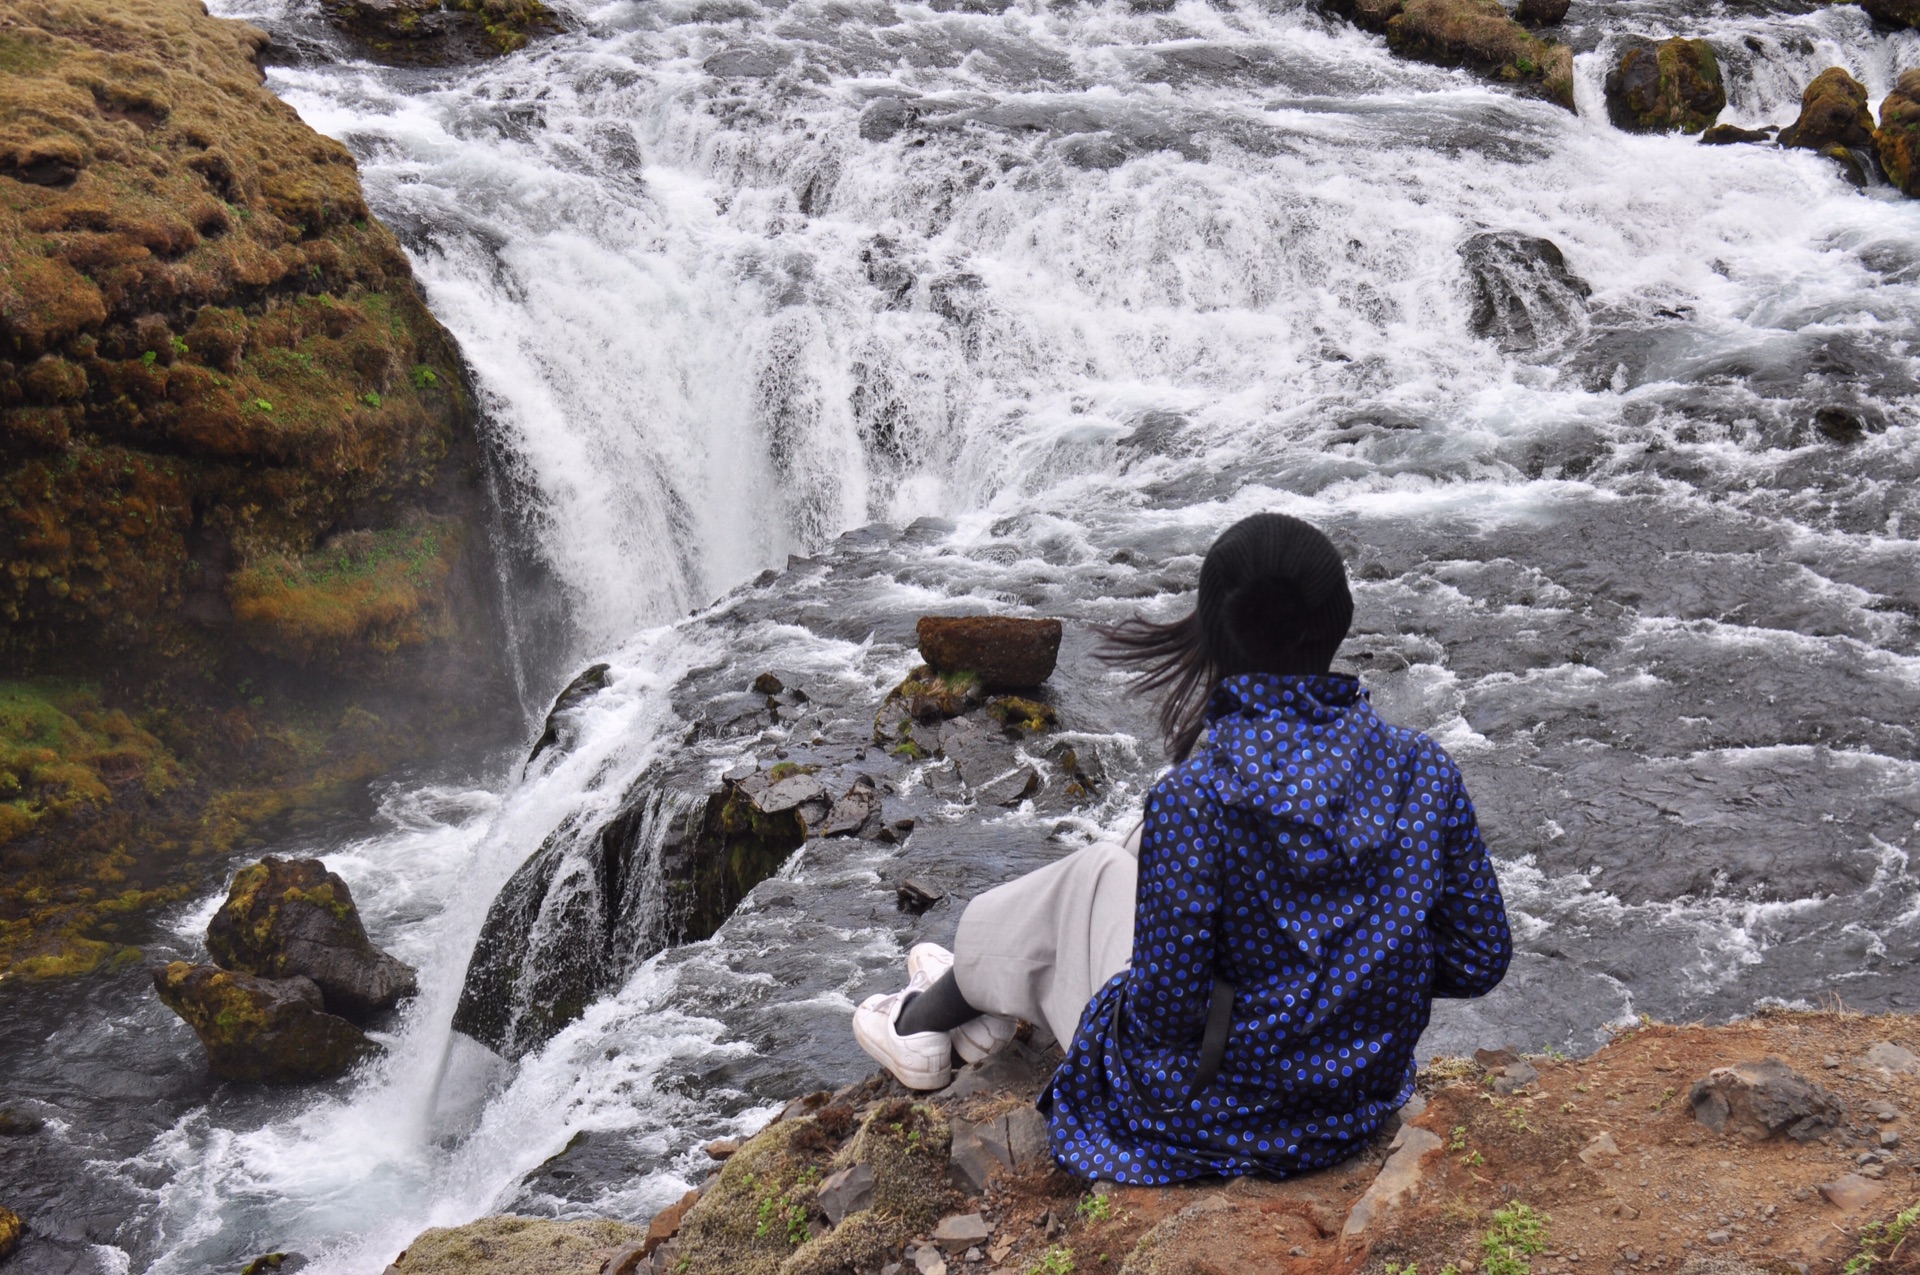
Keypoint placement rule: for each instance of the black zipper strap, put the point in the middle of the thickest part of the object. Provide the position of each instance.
(1213, 1045)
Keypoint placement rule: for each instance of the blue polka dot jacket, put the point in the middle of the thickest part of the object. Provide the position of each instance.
(1329, 867)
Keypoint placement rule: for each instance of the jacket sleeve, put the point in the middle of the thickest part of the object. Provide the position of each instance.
(1471, 943)
(1176, 910)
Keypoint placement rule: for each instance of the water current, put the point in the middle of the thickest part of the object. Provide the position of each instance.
(1032, 299)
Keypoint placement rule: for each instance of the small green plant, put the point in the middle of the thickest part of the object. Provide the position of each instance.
(371, 398)
(179, 346)
(1095, 1208)
(1666, 1096)
(1880, 1241)
(149, 358)
(261, 405)
(1458, 1142)
(1517, 1119)
(1057, 1260)
(424, 377)
(1518, 1233)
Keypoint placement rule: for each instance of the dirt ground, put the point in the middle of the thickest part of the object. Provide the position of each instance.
(1664, 1193)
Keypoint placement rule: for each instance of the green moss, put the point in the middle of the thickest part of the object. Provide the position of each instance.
(61, 751)
(1022, 714)
(788, 769)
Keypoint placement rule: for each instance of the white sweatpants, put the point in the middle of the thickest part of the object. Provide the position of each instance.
(1039, 946)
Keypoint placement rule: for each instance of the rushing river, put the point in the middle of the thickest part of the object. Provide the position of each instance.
(1042, 296)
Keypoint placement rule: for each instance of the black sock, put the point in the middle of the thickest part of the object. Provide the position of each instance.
(940, 1008)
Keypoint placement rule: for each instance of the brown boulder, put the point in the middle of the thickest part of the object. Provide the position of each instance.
(1898, 138)
(263, 1030)
(1893, 13)
(1542, 13)
(11, 1229)
(1833, 112)
(1762, 1100)
(287, 918)
(1672, 87)
(1006, 654)
(1480, 34)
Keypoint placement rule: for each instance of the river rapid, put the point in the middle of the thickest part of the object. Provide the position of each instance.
(1015, 305)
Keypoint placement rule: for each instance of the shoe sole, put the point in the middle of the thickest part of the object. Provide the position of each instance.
(911, 1077)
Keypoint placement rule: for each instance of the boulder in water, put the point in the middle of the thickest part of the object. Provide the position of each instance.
(1004, 653)
(1894, 13)
(1481, 34)
(1729, 134)
(288, 918)
(1671, 87)
(262, 1030)
(1542, 13)
(1833, 112)
(11, 1229)
(437, 31)
(1523, 294)
(559, 732)
(1898, 137)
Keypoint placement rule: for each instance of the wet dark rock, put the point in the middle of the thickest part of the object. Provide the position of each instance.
(18, 1124)
(1728, 134)
(559, 731)
(1898, 14)
(1674, 86)
(287, 918)
(438, 32)
(1542, 13)
(749, 61)
(768, 684)
(1524, 296)
(1004, 653)
(1841, 424)
(917, 896)
(261, 1030)
(1762, 1100)
(886, 116)
(1833, 112)
(275, 1264)
(1897, 141)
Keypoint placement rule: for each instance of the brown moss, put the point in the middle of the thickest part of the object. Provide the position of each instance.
(1479, 34)
(1898, 137)
(1833, 112)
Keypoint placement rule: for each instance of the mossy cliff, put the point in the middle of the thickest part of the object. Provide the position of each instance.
(242, 542)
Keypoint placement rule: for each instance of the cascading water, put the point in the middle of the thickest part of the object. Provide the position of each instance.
(1075, 286)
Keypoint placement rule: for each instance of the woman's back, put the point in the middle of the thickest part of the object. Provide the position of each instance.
(1327, 867)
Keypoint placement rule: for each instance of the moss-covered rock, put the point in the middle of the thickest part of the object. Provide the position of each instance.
(260, 1030)
(1478, 34)
(1899, 14)
(1898, 138)
(439, 31)
(508, 1245)
(1833, 112)
(288, 918)
(239, 480)
(11, 1229)
(1671, 87)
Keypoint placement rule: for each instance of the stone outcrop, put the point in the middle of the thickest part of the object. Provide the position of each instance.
(291, 918)
(1761, 1100)
(1524, 295)
(1729, 134)
(1897, 140)
(240, 484)
(1671, 87)
(1542, 13)
(11, 1229)
(261, 1030)
(433, 32)
(1002, 652)
(1833, 112)
(510, 1245)
(1477, 34)
(1898, 14)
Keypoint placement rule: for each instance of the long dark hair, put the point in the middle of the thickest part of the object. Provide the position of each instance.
(1273, 599)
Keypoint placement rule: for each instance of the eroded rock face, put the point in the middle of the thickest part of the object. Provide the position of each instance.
(261, 1030)
(1672, 87)
(1833, 112)
(1004, 653)
(1524, 296)
(1762, 1100)
(291, 918)
(1898, 138)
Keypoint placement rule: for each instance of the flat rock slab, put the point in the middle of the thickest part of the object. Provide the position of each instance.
(848, 1191)
(1852, 1192)
(1399, 1180)
(962, 1230)
(1890, 1057)
(517, 1246)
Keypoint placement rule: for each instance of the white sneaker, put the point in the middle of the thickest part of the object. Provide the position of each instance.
(927, 964)
(922, 1060)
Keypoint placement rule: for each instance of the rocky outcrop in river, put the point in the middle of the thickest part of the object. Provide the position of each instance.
(1673, 86)
(294, 978)
(1897, 140)
(1479, 34)
(243, 534)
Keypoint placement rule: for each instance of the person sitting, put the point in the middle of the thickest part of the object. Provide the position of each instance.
(1245, 997)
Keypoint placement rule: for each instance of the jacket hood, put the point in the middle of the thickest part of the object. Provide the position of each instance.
(1289, 750)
